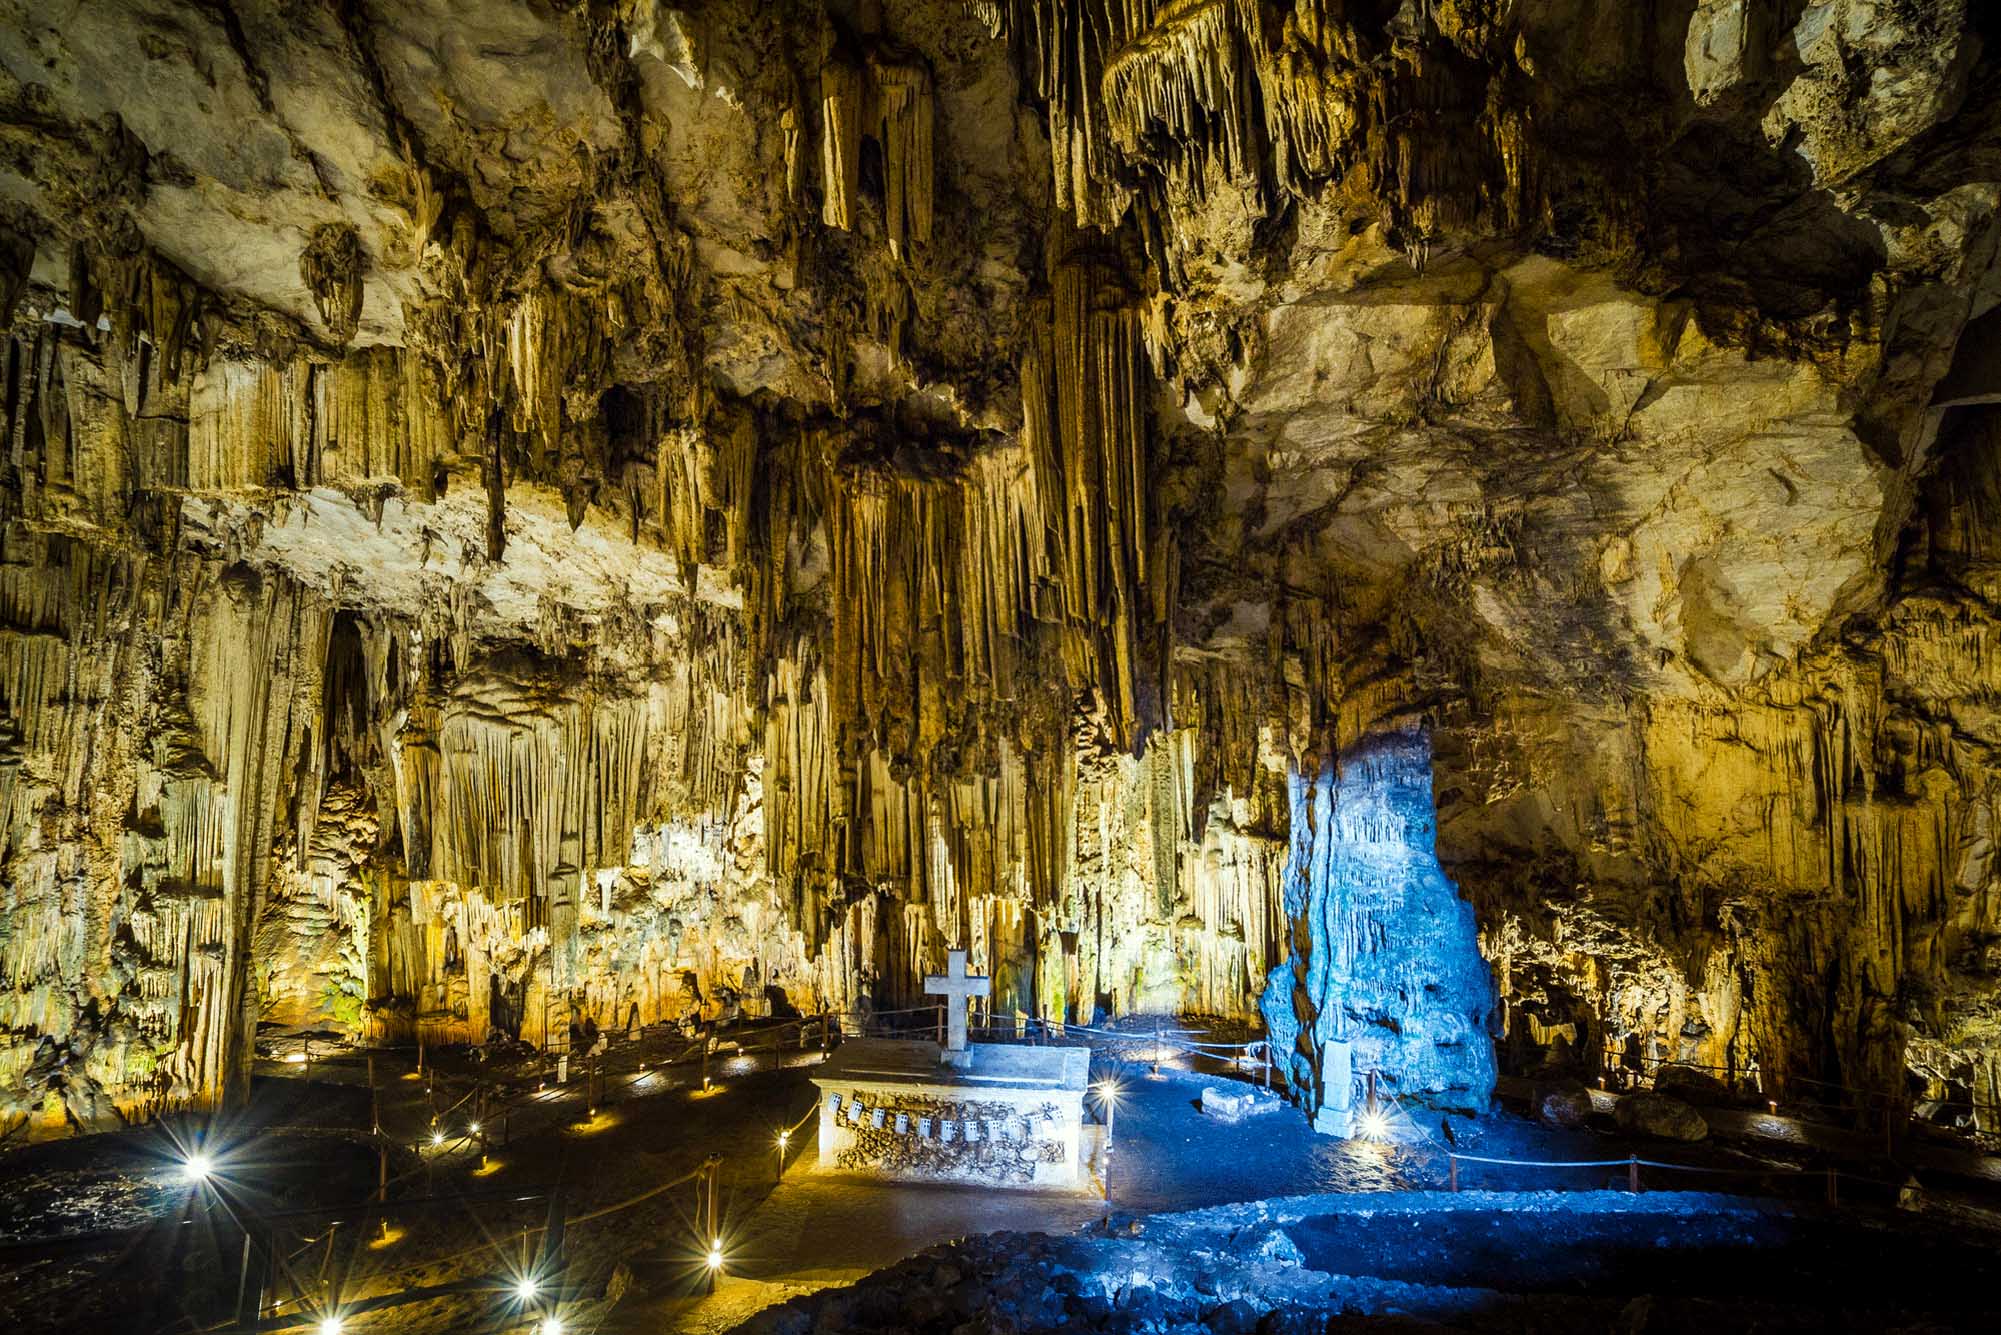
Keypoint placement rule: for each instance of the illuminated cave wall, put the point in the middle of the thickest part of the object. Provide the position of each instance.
(675, 502)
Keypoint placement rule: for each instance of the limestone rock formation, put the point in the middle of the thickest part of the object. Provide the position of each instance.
(1650, 1114)
(524, 507)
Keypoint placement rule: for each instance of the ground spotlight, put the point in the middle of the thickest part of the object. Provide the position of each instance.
(195, 1169)
(526, 1288)
(332, 1325)
(472, 1128)
(437, 1138)
(715, 1257)
(552, 1326)
(1375, 1126)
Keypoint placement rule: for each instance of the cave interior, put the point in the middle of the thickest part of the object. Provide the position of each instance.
(1461, 534)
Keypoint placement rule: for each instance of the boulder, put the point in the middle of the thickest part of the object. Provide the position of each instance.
(1235, 1317)
(1561, 1101)
(1649, 1114)
(1691, 1086)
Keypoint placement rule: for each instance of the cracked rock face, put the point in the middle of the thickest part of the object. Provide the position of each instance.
(522, 507)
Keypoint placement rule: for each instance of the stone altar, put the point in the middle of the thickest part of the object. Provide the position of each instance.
(1001, 1116)
(984, 1113)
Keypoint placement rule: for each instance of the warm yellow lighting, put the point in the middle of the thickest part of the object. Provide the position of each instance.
(298, 1059)
(437, 1138)
(331, 1325)
(551, 1326)
(716, 1255)
(526, 1288)
(783, 1136)
(472, 1129)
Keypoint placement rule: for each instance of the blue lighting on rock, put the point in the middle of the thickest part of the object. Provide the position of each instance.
(1385, 974)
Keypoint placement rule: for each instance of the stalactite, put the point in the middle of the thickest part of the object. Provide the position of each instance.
(163, 1011)
(17, 261)
(841, 103)
(901, 95)
(1099, 415)
(1204, 93)
(331, 266)
(264, 424)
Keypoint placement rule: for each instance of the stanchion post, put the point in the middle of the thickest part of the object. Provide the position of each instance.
(1452, 1170)
(712, 1238)
(374, 1100)
(1633, 1172)
(244, 1312)
(1833, 1192)
(941, 1026)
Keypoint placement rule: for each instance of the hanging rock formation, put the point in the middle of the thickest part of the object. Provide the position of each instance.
(674, 510)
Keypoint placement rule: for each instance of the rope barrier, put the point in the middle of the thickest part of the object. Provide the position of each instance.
(1540, 1163)
(631, 1201)
(809, 1114)
(1649, 1064)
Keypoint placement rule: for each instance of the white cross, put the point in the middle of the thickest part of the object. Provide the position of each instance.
(957, 986)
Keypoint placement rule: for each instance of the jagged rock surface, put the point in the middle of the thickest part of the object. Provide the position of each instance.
(512, 507)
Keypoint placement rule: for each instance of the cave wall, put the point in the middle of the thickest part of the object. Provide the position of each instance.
(664, 510)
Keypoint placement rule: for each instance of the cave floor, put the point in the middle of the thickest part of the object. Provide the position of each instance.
(304, 1143)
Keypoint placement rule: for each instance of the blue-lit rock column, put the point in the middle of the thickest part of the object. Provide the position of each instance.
(1386, 973)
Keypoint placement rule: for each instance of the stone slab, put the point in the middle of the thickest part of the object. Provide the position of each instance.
(993, 1065)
